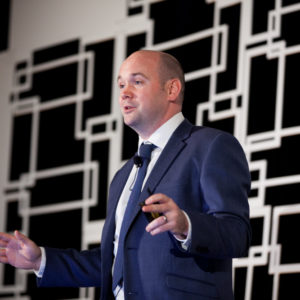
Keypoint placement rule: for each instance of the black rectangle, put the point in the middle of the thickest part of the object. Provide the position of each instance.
(4, 24)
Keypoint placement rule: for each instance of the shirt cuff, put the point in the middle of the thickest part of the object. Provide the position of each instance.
(187, 241)
(40, 272)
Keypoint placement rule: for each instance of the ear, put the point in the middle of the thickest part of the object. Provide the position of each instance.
(173, 89)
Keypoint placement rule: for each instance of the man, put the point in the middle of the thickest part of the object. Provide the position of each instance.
(197, 181)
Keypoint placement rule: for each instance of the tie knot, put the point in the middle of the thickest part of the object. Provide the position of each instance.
(145, 150)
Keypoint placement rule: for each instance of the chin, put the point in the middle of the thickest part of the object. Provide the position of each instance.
(129, 122)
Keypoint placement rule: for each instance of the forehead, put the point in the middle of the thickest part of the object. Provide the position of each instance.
(140, 63)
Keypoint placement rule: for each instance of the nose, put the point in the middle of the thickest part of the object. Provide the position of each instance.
(126, 93)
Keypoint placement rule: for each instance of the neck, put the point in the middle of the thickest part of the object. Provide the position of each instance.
(146, 132)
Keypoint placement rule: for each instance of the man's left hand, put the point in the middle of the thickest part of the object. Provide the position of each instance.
(172, 217)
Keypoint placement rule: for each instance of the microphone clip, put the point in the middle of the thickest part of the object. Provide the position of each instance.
(138, 161)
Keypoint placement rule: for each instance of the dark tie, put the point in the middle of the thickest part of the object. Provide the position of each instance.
(145, 154)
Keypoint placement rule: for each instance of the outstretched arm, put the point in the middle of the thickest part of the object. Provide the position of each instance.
(19, 251)
(64, 267)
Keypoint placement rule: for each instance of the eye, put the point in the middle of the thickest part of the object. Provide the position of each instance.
(121, 85)
(139, 82)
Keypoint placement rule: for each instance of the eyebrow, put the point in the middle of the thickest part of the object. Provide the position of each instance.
(134, 75)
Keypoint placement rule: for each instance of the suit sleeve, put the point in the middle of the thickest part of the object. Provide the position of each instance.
(222, 230)
(71, 268)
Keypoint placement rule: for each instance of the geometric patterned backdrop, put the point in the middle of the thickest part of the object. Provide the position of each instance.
(66, 137)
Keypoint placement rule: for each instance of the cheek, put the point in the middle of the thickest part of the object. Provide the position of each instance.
(150, 101)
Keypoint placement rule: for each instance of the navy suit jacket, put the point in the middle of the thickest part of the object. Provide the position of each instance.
(206, 173)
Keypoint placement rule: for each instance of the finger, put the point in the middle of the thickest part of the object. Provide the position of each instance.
(160, 229)
(158, 223)
(159, 203)
(155, 198)
(3, 244)
(21, 237)
(2, 252)
(3, 257)
(155, 208)
(5, 237)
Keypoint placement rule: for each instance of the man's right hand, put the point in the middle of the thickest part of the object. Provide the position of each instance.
(19, 251)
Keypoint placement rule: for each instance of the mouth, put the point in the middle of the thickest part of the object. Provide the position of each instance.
(128, 108)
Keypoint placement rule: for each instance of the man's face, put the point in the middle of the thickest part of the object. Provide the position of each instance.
(143, 99)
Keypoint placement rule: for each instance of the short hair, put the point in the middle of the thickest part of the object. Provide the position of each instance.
(169, 68)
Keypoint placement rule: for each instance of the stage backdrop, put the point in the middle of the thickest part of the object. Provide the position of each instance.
(62, 136)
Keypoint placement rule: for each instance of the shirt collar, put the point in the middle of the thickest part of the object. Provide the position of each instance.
(162, 135)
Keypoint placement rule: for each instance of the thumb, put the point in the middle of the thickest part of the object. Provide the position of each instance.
(21, 237)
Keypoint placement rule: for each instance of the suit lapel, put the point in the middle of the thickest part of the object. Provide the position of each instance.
(118, 185)
(169, 154)
(116, 189)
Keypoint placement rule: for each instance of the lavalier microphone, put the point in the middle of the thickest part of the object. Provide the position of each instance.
(138, 161)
